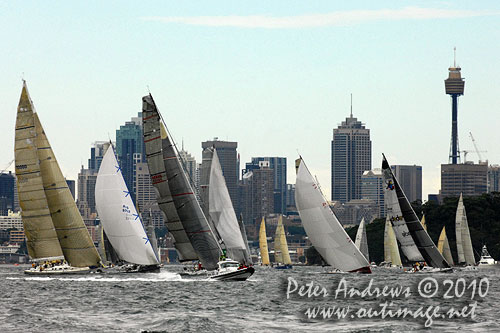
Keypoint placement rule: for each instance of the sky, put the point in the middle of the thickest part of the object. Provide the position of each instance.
(275, 76)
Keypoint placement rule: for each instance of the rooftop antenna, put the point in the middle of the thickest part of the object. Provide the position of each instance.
(182, 144)
(351, 105)
(455, 57)
(149, 91)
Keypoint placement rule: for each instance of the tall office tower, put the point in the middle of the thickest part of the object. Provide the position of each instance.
(257, 193)
(372, 188)
(454, 86)
(278, 164)
(97, 151)
(469, 179)
(17, 208)
(290, 197)
(351, 156)
(410, 179)
(7, 183)
(146, 197)
(494, 178)
(86, 192)
(189, 164)
(71, 186)
(130, 150)
(228, 158)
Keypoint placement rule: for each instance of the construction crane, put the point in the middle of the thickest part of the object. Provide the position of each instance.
(478, 152)
(8, 165)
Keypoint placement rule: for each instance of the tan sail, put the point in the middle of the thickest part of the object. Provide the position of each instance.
(264, 252)
(464, 244)
(424, 224)
(391, 252)
(285, 254)
(278, 257)
(444, 247)
(42, 241)
(76, 244)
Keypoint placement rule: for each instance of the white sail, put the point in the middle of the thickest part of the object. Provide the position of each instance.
(322, 227)
(464, 243)
(395, 215)
(222, 213)
(118, 215)
(361, 240)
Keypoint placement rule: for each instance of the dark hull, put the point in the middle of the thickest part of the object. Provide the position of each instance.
(239, 275)
(284, 267)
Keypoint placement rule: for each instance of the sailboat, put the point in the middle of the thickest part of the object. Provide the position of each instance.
(185, 218)
(444, 247)
(322, 226)
(217, 206)
(281, 253)
(361, 240)
(57, 239)
(464, 243)
(391, 251)
(264, 252)
(403, 217)
(120, 220)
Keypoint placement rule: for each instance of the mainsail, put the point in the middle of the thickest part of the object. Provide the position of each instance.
(322, 227)
(42, 241)
(218, 206)
(264, 252)
(361, 241)
(188, 209)
(154, 138)
(464, 243)
(419, 236)
(395, 215)
(120, 220)
(391, 252)
(444, 247)
(281, 253)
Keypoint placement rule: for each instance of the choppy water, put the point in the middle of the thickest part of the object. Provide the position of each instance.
(165, 302)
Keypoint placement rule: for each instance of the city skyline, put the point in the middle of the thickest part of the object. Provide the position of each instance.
(242, 75)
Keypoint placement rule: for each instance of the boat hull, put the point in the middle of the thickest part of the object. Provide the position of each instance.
(58, 271)
(283, 267)
(238, 275)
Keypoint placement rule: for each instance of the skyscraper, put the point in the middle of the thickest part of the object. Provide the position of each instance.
(97, 151)
(7, 183)
(372, 188)
(228, 158)
(130, 150)
(190, 165)
(278, 165)
(410, 179)
(494, 178)
(351, 156)
(86, 192)
(146, 197)
(469, 179)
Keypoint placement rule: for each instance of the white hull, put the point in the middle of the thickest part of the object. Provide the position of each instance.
(57, 270)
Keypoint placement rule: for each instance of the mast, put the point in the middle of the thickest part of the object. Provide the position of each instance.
(264, 252)
(42, 241)
(420, 237)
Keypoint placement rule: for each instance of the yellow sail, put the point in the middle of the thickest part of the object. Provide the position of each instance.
(278, 257)
(264, 253)
(424, 224)
(444, 247)
(284, 253)
(391, 252)
(42, 241)
(76, 244)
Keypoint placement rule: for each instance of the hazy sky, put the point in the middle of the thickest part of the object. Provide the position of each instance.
(274, 76)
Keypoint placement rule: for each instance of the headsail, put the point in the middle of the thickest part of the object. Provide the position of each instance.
(361, 240)
(395, 215)
(218, 206)
(154, 137)
(120, 220)
(419, 236)
(391, 251)
(464, 243)
(424, 224)
(444, 247)
(321, 225)
(283, 245)
(264, 252)
(42, 243)
(188, 209)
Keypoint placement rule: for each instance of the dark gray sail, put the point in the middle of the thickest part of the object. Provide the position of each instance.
(188, 209)
(154, 156)
(421, 238)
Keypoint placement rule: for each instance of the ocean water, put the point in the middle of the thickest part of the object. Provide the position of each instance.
(270, 301)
